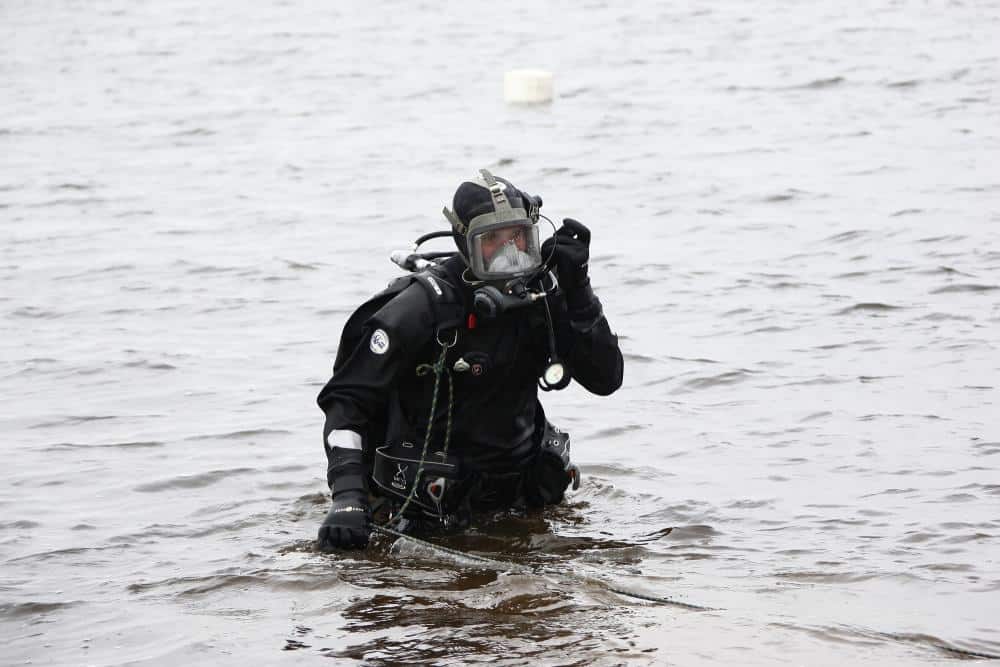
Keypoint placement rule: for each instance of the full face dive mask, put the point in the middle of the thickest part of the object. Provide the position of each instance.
(500, 232)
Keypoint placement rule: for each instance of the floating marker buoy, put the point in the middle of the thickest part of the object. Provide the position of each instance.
(527, 86)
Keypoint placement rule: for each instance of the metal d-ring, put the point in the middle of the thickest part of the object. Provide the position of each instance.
(454, 338)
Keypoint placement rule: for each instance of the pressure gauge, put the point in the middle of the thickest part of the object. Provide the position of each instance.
(554, 376)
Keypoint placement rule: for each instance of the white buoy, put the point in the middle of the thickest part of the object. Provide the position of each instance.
(527, 86)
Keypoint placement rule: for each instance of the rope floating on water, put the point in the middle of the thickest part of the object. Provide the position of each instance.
(515, 568)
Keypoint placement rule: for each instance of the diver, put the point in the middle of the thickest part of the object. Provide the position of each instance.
(432, 413)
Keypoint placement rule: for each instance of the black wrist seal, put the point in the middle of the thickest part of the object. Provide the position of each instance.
(345, 470)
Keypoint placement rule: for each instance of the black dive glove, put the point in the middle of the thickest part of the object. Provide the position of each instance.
(348, 523)
(571, 255)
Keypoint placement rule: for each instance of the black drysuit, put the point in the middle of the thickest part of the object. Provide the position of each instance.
(377, 392)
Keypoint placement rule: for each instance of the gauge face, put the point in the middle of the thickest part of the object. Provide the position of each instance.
(554, 374)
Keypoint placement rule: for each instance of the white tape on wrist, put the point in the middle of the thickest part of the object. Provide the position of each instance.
(345, 438)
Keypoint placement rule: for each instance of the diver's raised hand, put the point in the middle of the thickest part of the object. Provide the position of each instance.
(570, 250)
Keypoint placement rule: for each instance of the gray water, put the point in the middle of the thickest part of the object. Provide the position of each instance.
(795, 210)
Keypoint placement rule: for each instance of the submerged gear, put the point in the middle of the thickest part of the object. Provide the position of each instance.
(494, 226)
(553, 471)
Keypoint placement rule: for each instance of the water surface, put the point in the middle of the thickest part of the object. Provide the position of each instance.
(795, 212)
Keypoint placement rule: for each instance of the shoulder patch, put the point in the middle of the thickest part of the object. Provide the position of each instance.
(379, 343)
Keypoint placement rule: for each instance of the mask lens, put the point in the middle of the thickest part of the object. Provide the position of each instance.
(501, 252)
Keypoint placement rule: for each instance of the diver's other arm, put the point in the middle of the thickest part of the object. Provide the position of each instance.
(591, 348)
(353, 401)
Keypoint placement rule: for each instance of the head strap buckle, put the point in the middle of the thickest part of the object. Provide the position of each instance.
(496, 188)
(456, 224)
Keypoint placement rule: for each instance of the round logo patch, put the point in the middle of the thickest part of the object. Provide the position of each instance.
(379, 343)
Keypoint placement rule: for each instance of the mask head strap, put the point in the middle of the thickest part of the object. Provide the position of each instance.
(497, 194)
(456, 224)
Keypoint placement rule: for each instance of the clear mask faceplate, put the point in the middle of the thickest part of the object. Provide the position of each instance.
(504, 250)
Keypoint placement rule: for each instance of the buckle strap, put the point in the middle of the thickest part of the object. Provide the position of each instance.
(347, 483)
